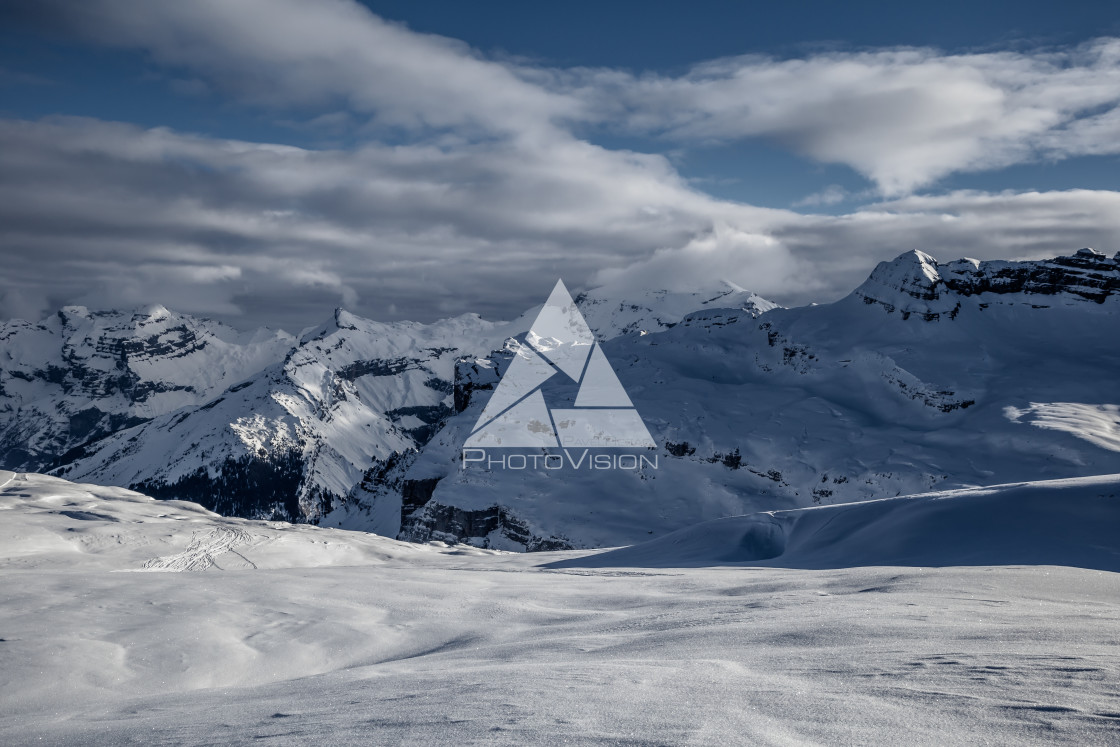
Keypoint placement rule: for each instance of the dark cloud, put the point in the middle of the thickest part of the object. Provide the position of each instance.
(135, 216)
(112, 215)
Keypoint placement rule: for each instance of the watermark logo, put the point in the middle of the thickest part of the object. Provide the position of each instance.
(559, 344)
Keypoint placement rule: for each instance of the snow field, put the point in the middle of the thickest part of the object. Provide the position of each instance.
(345, 638)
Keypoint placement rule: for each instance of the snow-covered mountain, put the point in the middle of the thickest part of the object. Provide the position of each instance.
(612, 312)
(295, 434)
(292, 440)
(916, 283)
(80, 375)
(927, 376)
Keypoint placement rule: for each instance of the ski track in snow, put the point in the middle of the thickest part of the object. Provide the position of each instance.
(203, 551)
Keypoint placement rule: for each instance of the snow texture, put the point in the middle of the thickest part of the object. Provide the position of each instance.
(1054, 522)
(129, 620)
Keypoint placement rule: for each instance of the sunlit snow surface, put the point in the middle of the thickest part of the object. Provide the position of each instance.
(1097, 424)
(282, 634)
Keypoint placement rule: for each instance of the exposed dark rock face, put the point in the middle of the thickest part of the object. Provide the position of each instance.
(1089, 274)
(415, 494)
(477, 527)
(431, 417)
(680, 449)
(475, 375)
(375, 368)
(251, 487)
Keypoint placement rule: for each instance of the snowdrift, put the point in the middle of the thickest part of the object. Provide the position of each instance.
(50, 524)
(1074, 522)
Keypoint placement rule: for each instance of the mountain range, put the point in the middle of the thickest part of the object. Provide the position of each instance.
(927, 376)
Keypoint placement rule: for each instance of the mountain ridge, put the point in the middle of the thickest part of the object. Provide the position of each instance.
(813, 405)
(359, 423)
(299, 432)
(916, 283)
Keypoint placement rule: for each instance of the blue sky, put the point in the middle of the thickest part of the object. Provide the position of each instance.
(264, 162)
(664, 36)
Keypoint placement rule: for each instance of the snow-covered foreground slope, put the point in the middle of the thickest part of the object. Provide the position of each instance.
(51, 524)
(290, 634)
(1054, 522)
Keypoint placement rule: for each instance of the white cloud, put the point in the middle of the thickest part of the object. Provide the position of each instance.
(904, 118)
(365, 228)
(754, 260)
(833, 194)
(286, 53)
(1006, 225)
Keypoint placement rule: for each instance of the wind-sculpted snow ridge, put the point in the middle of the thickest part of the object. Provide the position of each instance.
(1073, 522)
(294, 634)
(47, 523)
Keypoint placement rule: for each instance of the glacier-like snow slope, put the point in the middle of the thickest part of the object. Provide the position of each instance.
(80, 375)
(1051, 522)
(130, 620)
(928, 375)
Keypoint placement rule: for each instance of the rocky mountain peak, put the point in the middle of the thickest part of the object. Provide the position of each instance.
(153, 312)
(916, 283)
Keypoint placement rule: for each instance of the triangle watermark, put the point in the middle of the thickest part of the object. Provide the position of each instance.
(560, 343)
